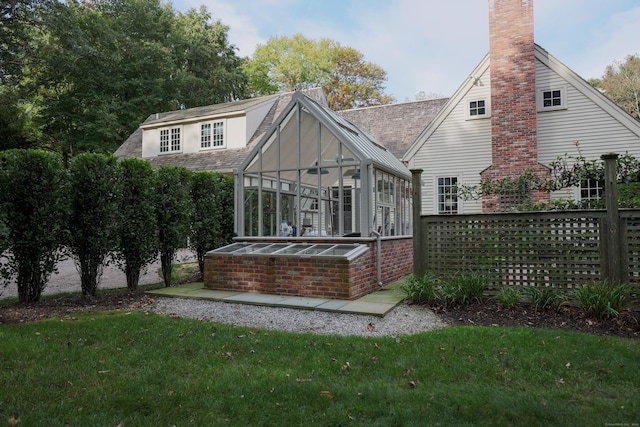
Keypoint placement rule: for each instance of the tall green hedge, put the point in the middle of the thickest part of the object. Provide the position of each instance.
(33, 201)
(173, 208)
(137, 241)
(212, 220)
(95, 191)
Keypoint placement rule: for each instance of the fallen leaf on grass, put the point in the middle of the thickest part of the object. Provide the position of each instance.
(503, 351)
(13, 421)
(170, 392)
(327, 394)
(411, 384)
(561, 381)
(603, 371)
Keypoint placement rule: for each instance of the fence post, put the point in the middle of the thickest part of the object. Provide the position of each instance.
(612, 256)
(418, 255)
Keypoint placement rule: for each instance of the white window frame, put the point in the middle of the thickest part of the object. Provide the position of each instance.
(217, 136)
(553, 92)
(167, 140)
(593, 188)
(486, 107)
(442, 205)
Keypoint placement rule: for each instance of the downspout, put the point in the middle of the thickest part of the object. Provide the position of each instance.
(378, 255)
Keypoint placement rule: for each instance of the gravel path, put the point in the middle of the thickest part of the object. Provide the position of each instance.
(403, 320)
(67, 279)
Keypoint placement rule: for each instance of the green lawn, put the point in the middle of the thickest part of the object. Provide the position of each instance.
(136, 369)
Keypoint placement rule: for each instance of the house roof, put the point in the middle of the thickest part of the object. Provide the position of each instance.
(358, 141)
(224, 161)
(555, 65)
(396, 125)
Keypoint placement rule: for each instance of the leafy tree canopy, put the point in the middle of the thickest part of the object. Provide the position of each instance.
(621, 82)
(102, 67)
(299, 63)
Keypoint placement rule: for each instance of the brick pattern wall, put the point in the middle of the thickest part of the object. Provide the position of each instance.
(513, 96)
(333, 278)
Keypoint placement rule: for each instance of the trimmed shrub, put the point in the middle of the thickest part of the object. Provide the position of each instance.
(212, 220)
(602, 300)
(94, 195)
(34, 208)
(137, 244)
(173, 209)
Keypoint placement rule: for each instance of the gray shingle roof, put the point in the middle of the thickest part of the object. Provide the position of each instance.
(396, 125)
(224, 161)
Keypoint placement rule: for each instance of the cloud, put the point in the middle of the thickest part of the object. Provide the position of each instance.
(431, 45)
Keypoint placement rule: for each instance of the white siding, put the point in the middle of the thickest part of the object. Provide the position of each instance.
(585, 121)
(459, 147)
(452, 145)
(235, 129)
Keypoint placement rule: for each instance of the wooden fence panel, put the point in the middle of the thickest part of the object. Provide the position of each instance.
(631, 233)
(560, 249)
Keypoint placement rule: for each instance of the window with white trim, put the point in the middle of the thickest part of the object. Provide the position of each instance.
(477, 108)
(591, 189)
(212, 135)
(169, 140)
(448, 195)
(552, 99)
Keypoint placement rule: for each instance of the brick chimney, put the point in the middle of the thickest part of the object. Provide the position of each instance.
(514, 143)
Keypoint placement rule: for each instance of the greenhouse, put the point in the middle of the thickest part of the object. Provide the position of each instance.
(314, 174)
(322, 209)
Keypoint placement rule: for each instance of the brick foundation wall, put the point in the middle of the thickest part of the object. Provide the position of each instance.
(334, 278)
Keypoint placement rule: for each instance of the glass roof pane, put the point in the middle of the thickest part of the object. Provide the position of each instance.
(271, 248)
(315, 249)
(231, 248)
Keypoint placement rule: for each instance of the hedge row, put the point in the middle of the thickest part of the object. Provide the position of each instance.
(100, 210)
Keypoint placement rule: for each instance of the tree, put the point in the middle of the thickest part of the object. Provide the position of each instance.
(208, 69)
(20, 22)
(33, 187)
(621, 83)
(94, 197)
(137, 243)
(298, 63)
(212, 220)
(355, 83)
(173, 209)
(124, 60)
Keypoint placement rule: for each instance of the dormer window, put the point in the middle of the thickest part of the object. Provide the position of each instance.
(552, 99)
(212, 135)
(170, 140)
(478, 109)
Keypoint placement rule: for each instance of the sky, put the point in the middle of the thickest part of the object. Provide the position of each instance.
(432, 46)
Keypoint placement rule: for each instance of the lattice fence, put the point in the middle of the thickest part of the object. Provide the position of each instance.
(560, 249)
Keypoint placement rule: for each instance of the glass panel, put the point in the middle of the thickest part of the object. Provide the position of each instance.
(314, 250)
(231, 248)
(251, 248)
(271, 248)
(339, 250)
(293, 249)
